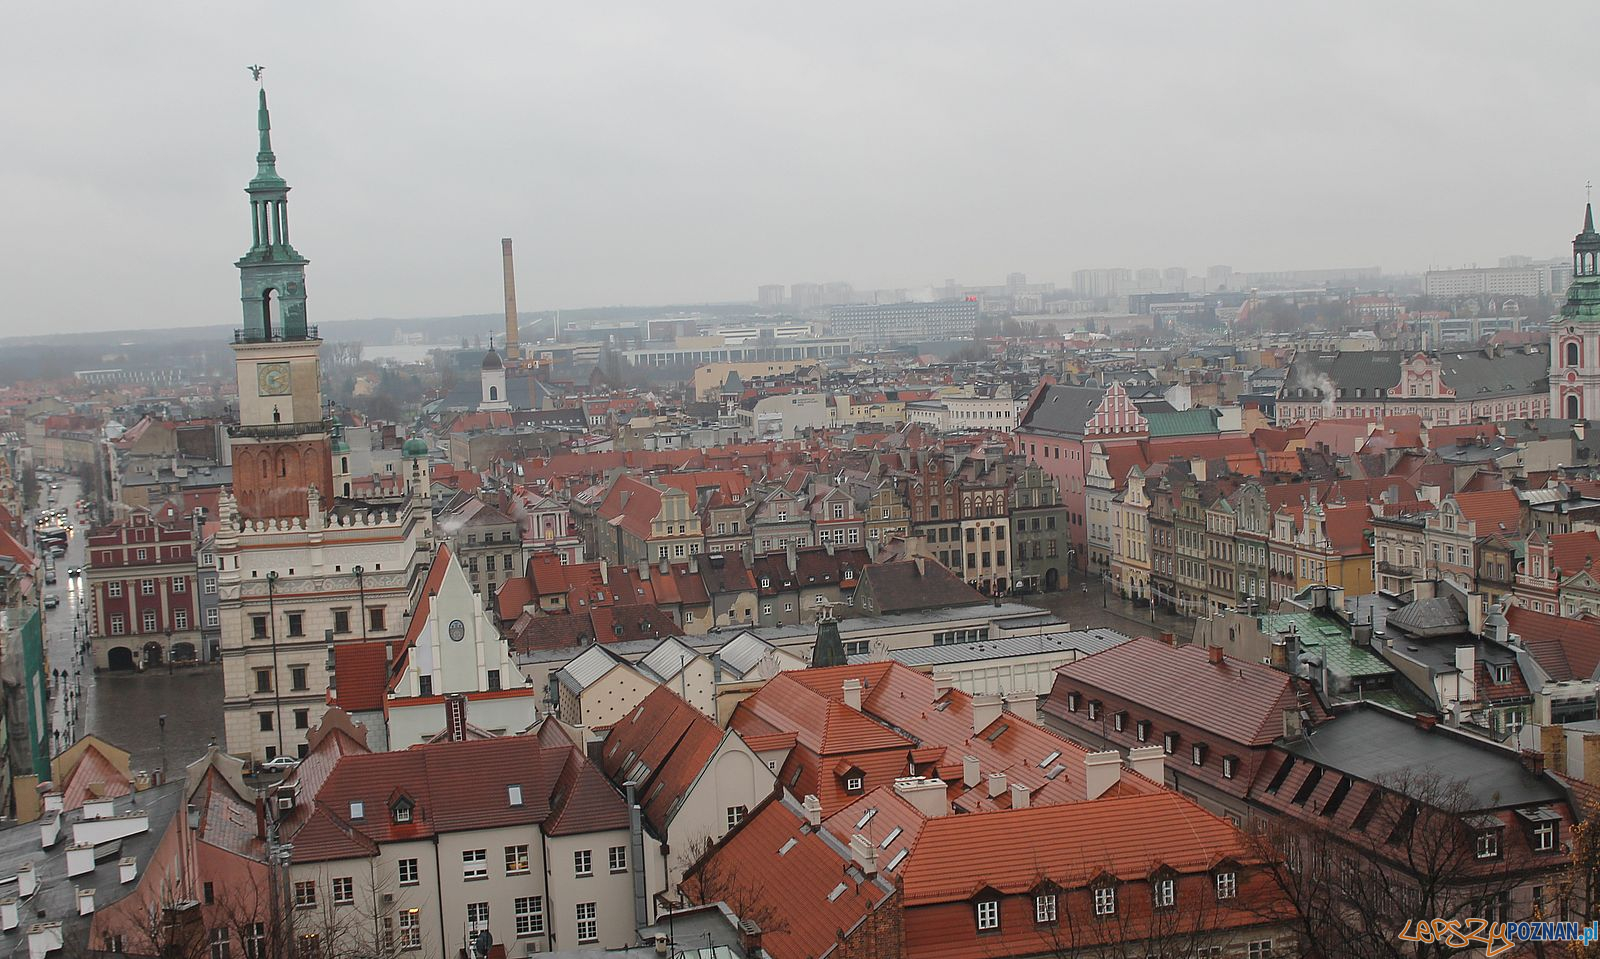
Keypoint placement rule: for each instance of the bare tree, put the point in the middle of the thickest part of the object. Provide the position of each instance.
(1412, 854)
(713, 878)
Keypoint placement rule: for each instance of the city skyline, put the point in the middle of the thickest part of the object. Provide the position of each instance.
(691, 157)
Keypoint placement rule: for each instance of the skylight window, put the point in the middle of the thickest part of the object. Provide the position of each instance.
(1046, 761)
(866, 817)
(787, 846)
(899, 857)
(893, 835)
(837, 892)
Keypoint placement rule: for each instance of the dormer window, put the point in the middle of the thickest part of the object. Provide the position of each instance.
(1141, 730)
(1094, 709)
(988, 915)
(1169, 742)
(401, 810)
(1197, 754)
(1488, 844)
(1119, 721)
(1502, 673)
(766, 582)
(854, 783)
(1229, 765)
(1072, 702)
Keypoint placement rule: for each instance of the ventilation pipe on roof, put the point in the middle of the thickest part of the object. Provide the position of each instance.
(641, 911)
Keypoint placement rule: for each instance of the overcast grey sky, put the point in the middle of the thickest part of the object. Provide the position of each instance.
(671, 152)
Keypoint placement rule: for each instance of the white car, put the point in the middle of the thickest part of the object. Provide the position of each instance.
(279, 764)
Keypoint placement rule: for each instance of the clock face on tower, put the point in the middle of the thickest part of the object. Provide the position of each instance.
(273, 379)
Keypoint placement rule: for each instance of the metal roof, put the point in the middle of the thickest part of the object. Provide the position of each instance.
(1083, 641)
(668, 659)
(589, 666)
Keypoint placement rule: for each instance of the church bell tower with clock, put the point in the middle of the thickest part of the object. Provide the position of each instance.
(282, 443)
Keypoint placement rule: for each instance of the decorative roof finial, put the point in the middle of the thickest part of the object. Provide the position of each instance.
(255, 71)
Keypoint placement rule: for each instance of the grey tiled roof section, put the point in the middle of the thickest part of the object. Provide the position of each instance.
(1380, 746)
(589, 666)
(1064, 410)
(668, 659)
(1430, 615)
(1476, 376)
(1379, 369)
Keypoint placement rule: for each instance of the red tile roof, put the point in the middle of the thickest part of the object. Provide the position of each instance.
(94, 777)
(1009, 850)
(662, 745)
(512, 596)
(361, 675)
(1238, 700)
(632, 505)
(1567, 649)
(779, 865)
(1492, 511)
(1574, 552)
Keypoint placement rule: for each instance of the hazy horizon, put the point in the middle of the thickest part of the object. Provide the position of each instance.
(644, 155)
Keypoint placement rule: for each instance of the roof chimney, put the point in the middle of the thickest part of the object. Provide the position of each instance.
(943, 682)
(970, 776)
(813, 807)
(1101, 771)
(605, 574)
(997, 785)
(927, 795)
(985, 710)
(1149, 762)
(865, 854)
(1171, 639)
(852, 694)
(644, 570)
(1214, 654)
(1023, 703)
(792, 555)
(1019, 796)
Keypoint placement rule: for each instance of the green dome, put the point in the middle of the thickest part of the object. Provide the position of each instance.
(416, 448)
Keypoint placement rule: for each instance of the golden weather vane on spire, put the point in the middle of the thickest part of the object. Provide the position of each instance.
(255, 71)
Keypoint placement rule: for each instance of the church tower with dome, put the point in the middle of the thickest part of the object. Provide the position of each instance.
(316, 567)
(1575, 333)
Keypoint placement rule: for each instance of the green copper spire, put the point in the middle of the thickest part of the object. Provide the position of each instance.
(1583, 296)
(1588, 218)
(266, 160)
(829, 650)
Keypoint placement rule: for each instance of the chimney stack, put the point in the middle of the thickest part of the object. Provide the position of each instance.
(970, 776)
(927, 795)
(813, 807)
(1023, 703)
(1149, 762)
(997, 785)
(864, 854)
(1214, 654)
(510, 275)
(1019, 796)
(1101, 771)
(852, 694)
(985, 710)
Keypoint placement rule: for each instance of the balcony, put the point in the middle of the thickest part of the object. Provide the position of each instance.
(246, 336)
(271, 431)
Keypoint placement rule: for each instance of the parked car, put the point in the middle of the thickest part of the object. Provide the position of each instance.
(279, 764)
(51, 602)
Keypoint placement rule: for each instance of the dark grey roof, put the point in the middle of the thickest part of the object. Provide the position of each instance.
(1428, 617)
(56, 898)
(1477, 376)
(1380, 746)
(1086, 642)
(1063, 410)
(1378, 369)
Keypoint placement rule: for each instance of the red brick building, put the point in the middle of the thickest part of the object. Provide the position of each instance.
(141, 578)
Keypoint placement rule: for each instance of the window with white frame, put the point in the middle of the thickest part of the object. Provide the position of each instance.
(1044, 908)
(1488, 844)
(529, 912)
(477, 916)
(617, 859)
(344, 890)
(219, 943)
(213, 617)
(1163, 893)
(588, 922)
(583, 863)
(114, 590)
(988, 914)
(1227, 885)
(1544, 837)
(180, 584)
(736, 815)
(118, 627)
(410, 929)
(180, 619)
(475, 864)
(147, 587)
(1105, 900)
(210, 587)
(1259, 949)
(305, 894)
(408, 872)
(516, 859)
(148, 620)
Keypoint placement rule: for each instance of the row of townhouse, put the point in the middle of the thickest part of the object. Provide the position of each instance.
(998, 523)
(1198, 546)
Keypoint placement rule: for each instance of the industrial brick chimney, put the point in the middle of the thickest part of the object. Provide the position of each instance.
(510, 274)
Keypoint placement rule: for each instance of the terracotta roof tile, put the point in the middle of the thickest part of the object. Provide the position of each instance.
(1492, 511)
(1567, 649)
(662, 745)
(361, 674)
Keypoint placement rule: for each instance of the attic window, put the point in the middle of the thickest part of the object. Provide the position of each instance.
(401, 810)
(1229, 764)
(866, 817)
(358, 810)
(1169, 742)
(899, 857)
(790, 844)
(893, 835)
(1072, 702)
(1049, 759)
(854, 784)
(1502, 673)
(837, 892)
(514, 795)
